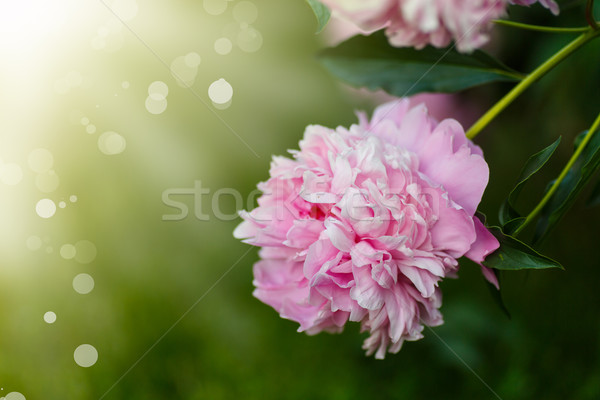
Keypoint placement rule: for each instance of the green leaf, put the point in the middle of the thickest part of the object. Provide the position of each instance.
(587, 164)
(516, 255)
(370, 61)
(321, 12)
(511, 226)
(508, 213)
(594, 199)
(496, 295)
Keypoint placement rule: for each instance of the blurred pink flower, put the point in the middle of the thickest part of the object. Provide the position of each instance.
(417, 23)
(363, 223)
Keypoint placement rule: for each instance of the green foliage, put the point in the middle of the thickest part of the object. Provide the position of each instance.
(516, 255)
(496, 295)
(370, 61)
(569, 188)
(594, 199)
(509, 217)
(321, 12)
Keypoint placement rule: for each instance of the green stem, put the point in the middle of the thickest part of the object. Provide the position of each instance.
(550, 29)
(529, 79)
(561, 177)
(589, 15)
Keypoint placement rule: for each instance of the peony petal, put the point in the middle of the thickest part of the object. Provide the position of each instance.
(244, 230)
(424, 281)
(340, 237)
(452, 169)
(367, 293)
(364, 254)
(318, 254)
(485, 243)
(399, 311)
(490, 276)
(303, 233)
(454, 231)
(342, 176)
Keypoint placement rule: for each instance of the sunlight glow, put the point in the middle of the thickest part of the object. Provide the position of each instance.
(26, 24)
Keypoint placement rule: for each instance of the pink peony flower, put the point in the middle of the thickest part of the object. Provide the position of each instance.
(363, 223)
(417, 23)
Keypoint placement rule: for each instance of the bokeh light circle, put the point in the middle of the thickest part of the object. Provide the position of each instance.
(34, 243)
(83, 283)
(158, 88)
(220, 92)
(249, 40)
(15, 396)
(111, 143)
(45, 208)
(47, 182)
(156, 106)
(192, 60)
(215, 7)
(67, 251)
(223, 46)
(85, 251)
(85, 355)
(50, 317)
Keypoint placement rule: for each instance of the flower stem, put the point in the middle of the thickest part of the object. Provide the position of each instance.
(539, 72)
(561, 177)
(550, 29)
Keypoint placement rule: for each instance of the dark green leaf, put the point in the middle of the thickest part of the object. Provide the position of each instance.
(496, 295)
(578, 176)
(578, 139)
(508, 213)
(321, 12)
(370, 61)
(594, 199)
(511, 226)
(515, 255)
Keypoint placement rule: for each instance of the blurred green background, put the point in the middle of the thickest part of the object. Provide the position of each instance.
(171, 314)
